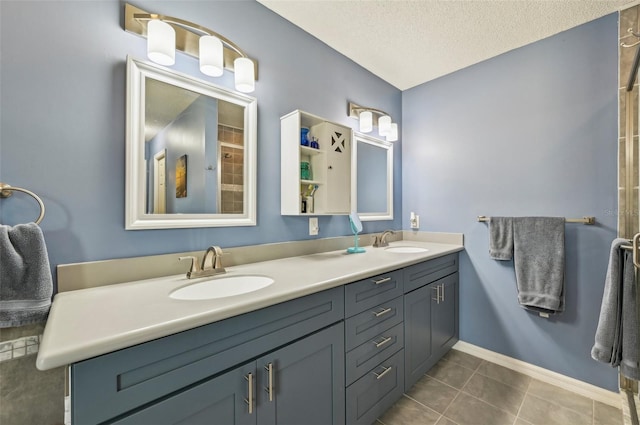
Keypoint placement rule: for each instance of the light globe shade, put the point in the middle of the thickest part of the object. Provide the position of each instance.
(245, 75)
(384, 125)
(161, 42)
(211, 56)
(393, 133)
(366, 121)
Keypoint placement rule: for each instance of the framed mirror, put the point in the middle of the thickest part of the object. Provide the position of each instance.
(190, 152)
(372, 177)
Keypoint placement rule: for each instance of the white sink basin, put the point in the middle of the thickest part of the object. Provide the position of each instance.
(221, 287)
(406, 249)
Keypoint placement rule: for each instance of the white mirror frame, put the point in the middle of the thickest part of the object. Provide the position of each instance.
(135, 216)
(383, 144)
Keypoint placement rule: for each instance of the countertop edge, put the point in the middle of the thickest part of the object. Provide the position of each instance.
(52, 355)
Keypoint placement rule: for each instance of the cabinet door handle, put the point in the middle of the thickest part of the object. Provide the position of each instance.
(269, 389)
(383, 342)
(249, 401)
(437, 298)
(386, 370)
(382, 312)
(442, 299)
(383, 280)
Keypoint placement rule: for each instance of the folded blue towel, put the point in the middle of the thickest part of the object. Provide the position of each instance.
(501, 238)
(538, 257)
(26, 285)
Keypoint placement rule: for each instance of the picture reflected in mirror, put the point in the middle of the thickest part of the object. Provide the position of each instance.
(180, 123)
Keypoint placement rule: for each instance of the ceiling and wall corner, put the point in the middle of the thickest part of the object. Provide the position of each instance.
(407, 43)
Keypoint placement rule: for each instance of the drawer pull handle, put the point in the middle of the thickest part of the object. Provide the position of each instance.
(249, 401)
(384, 341)
(386, 370)
(269, 389)
(383, 312)
(384, 280)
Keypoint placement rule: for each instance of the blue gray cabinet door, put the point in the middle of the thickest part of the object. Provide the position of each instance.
(417, 334)
(307, 381)
(431, 326)
(220, 400)
(444, 315)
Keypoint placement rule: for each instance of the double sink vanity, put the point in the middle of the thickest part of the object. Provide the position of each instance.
(306, 335)
(320, 339)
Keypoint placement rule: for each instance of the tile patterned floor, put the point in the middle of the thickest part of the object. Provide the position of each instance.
(465, 390)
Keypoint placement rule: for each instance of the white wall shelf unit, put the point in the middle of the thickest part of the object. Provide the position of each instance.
(330, 166)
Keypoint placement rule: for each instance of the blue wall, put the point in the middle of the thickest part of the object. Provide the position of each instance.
(530, 132)
(63, 119)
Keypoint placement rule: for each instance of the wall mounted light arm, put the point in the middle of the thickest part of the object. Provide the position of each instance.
(354, 111)
(187, 35)
(372, 116)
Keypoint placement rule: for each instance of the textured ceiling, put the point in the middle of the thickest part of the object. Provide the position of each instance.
(407, 43)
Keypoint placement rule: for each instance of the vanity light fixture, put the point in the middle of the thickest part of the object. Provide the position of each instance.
(393, 133)
(366, 121)
(161, 43)
(216, 53)
(384, 125)
(366, 115)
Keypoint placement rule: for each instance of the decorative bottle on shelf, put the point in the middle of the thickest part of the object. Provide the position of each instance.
(305, 171)
(304, 139)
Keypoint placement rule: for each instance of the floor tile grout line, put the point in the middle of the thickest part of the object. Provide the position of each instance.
(450, 403)
(487, 403)
(460, 390)
(422, 404)
(522, 402)
(555, 403)
(442, 382)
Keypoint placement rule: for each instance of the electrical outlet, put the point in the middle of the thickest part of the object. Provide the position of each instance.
(313, 226)
(414, 220)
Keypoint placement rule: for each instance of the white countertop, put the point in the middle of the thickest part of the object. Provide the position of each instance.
(90, 322)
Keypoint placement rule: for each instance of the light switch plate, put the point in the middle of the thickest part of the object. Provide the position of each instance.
(313, 226)
(414, 220)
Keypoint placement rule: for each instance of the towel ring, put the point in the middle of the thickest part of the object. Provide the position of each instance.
(5, 192)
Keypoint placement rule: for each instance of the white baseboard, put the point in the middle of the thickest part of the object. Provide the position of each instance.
(579, 387)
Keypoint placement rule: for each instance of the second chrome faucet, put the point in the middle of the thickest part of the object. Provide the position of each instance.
(211, 263)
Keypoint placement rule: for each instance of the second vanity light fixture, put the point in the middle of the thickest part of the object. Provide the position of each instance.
(165, 34)
(386, 128)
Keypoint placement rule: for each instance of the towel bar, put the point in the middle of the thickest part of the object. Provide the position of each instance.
(5, 192)
(634, 247)
(583, 220)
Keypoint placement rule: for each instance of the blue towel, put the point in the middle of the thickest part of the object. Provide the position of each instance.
(501, 238)
(538, 257)
(617, 340)
(26, 285)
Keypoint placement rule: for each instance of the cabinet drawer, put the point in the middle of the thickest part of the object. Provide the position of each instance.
(370, 396)
(366, 356)
(109, 385)
(424, 273)
(370, 323)
(368, 293)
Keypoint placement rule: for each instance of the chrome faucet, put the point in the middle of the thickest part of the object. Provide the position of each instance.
(211, 263)
(381, 240)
